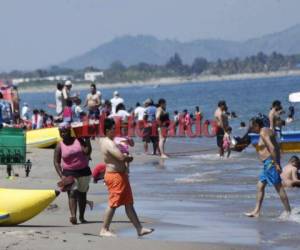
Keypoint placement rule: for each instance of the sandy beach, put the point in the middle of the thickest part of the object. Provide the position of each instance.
(168, 81)
(194, 200)
(52, 230)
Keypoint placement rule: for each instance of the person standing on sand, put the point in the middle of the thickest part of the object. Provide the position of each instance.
(150, 133)
(139, 112)
(36, 120)
(115, 101)
(162, 119)
(67, 94)
(150, 109)
(222, 124)
(59, 98)
(71, 161)
(25, 112)
(77, 112)
(147, 135)
(67, 114)
(6, 115)
(93, 102)
(117, 182)
(106, 108)
(121, 112)
(269, 153)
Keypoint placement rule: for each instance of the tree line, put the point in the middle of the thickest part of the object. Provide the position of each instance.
(201, 66)
(174, 67)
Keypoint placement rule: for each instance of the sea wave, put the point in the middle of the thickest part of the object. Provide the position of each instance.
(294, 216)
(216, 157)
(212, 157)
(198, 177)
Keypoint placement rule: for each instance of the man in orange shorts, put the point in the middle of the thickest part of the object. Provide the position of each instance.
(117, 182)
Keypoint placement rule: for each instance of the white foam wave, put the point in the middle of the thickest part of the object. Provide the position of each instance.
(198, 177)
(212, 157)
(216, 157)
(294, 216)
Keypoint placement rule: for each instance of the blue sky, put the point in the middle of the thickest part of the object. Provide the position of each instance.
(38, 33)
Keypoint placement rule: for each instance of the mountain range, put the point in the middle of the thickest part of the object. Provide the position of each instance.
(132, 50)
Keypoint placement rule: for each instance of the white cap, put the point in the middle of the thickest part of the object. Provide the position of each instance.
(116, 93)
(68, 83)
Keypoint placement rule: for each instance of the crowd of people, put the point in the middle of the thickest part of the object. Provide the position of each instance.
(269, 129)
(72, 155)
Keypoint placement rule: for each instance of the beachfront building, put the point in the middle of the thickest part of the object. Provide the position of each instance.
(46, 78)
(92, 76)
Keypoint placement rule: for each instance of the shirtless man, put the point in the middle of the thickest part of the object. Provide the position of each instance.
(117, 182)
(222, 122)
(269, 153)
(274, 115)
(290, 173)
(93, 101)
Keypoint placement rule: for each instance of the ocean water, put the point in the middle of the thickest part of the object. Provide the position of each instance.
(195, 195)
(245, 97)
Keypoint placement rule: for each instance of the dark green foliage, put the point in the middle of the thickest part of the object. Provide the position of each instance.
(174, 67)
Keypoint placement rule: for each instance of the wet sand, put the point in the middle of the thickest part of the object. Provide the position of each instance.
(52, 230)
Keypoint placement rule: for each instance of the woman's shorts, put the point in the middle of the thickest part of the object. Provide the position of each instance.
(81, 184)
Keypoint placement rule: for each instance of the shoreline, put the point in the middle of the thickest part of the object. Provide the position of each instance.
(168, 81)
(52, 230)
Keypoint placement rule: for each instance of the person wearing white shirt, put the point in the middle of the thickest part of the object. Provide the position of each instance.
(139, 112)
(37, 120)
(115, 101)
(121, 112)
(25, 112)
(67, 94)
(77, 111)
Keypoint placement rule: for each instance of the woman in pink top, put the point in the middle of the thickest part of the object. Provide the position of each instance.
(71, 159)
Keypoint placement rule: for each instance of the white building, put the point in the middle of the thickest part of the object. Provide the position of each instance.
(92, 76)
(47, 78)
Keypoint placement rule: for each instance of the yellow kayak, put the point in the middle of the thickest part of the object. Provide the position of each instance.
(4, 216)
(20, 205)
(42, 138)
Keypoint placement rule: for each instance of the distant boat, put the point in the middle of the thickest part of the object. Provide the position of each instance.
(294, 97)
(156, 86)
(289, 141)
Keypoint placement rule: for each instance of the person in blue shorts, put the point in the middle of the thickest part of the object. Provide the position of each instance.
(269, 153)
